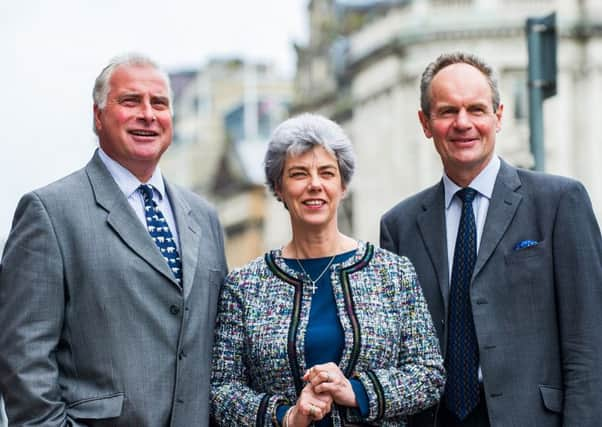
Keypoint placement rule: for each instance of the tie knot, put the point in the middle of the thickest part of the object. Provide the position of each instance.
(147, 191)
(467, 194)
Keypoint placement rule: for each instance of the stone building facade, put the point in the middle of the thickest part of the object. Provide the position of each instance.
(224, 113)
(368, 80)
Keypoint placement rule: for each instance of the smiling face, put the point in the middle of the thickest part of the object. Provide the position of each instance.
(135, 127)
(311, 188)
(462, 122)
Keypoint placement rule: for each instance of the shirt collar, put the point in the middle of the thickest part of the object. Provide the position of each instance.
(126, 181)
(483, 182)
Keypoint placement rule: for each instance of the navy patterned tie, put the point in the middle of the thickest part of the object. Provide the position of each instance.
(462, 358)
(159, 231)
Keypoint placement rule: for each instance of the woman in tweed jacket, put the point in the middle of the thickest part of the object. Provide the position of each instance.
(327, 330)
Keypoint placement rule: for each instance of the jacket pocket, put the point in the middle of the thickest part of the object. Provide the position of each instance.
(97, 408)
(523, 255)
(552, 397)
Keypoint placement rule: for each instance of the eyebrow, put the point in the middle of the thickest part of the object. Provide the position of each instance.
(303, 167)
(327, 167)
(123, 96)
(456, 108)
(138, 96)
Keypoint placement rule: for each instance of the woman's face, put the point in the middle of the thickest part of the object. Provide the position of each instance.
(312, 188)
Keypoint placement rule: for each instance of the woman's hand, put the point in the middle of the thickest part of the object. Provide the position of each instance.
(310, 407)
(329, 379)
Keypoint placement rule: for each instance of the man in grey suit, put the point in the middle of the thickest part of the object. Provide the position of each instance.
(108, 291)
(519, 325)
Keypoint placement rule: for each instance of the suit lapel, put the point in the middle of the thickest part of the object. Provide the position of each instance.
(431, 223)
(189, 233)
(122, 218)
(503, 205)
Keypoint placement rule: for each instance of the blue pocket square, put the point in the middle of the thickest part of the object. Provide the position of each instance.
(525, 244)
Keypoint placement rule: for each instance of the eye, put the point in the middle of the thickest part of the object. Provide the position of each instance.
(477, 110)
(160, 104)
(446, 112)
(129, 102)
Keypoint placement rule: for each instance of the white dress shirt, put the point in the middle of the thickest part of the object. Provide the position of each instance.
(483, 184)
(129, 184)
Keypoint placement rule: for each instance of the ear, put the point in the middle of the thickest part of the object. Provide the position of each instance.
(498, 114)
(279, 196)
(97, 114)
(424, 121)
(278, 192)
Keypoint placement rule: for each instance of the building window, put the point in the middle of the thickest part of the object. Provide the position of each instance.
(521, 106)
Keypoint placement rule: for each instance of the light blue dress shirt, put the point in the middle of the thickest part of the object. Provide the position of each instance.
(129, 184)
(483, 183)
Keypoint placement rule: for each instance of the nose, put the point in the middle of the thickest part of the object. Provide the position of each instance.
(315, 183)
(462, 120)
(146, 112)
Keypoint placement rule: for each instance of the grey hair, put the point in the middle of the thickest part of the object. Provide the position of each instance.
(447, 59)
(100, 93)
(300, 134)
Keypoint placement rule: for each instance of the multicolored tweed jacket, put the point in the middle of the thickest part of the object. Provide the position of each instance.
(390, 346)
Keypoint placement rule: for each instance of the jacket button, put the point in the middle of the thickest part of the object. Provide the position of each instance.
(174, 309)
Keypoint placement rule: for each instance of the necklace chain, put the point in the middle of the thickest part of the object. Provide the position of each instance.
(313, 282)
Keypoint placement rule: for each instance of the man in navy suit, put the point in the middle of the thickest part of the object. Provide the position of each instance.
(534, 297)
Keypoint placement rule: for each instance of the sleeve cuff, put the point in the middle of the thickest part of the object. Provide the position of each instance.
(280, 411)
(361, 397)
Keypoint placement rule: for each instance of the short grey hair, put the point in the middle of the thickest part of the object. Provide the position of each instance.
(299, 135)
(100, 93)
(447, 59)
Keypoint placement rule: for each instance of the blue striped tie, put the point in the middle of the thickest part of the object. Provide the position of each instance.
(160, 233)
(462, 358)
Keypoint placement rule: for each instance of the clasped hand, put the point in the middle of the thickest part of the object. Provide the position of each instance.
(325, 384)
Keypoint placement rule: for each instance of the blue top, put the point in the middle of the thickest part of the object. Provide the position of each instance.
(324, 340)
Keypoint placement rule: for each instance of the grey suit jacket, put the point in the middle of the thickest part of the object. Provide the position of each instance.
(537, 311)
(95, 330)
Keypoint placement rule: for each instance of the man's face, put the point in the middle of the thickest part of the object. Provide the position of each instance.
(462, 122)
(135, 127)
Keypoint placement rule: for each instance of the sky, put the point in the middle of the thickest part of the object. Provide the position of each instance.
(53, 50)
